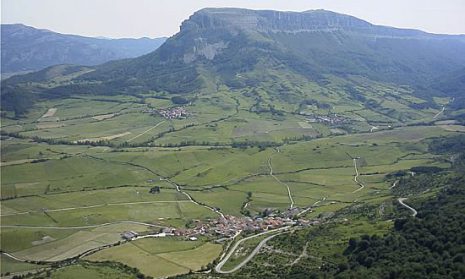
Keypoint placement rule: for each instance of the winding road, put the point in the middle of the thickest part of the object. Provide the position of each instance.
(356, 177)
(220, 265)
(401, 201)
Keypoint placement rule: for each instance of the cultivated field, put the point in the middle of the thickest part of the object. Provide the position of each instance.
(162, 257)
(74, 179)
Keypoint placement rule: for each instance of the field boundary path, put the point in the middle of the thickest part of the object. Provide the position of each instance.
(146, 131)
(280, 182)
(12, 256)
(357, 174)
(89, 206)
(82, 227)
(178, 188)
(310, 207)
(440, 112)
(401, 201)
(302, 255)
(220, 265)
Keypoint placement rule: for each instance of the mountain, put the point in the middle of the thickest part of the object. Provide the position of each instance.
(25, 48)
(240, 49)
(225, 42)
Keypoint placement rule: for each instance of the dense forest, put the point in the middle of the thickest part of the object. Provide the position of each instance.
(429, 246)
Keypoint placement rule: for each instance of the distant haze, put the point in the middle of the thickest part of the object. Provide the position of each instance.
(157, 18)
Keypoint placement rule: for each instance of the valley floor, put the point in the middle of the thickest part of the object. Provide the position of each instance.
(75, 183)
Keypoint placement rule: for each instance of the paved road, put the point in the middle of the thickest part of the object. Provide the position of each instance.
(401, 201)
(220, 265)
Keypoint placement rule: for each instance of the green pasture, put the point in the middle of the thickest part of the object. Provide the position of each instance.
(107, 197)
(9, 265)
(86, 187)
(64, 243)
(145, 212)
(90, 271)
(71, 174)
(161, 257)
(229, 202)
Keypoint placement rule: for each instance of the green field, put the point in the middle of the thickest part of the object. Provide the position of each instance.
(162, 257)
(92, 271)
(9, 265)
(63, 199)
(225, 115)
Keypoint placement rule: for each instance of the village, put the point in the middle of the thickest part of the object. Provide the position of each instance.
(331, 119)
(228, 226)
(169, 113)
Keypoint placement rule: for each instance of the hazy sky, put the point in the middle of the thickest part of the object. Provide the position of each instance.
(156, 18)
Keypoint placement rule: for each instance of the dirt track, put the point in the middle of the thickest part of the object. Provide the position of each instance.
(401, 201)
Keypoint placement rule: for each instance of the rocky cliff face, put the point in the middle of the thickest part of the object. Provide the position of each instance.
(272, 21)
(268, 21)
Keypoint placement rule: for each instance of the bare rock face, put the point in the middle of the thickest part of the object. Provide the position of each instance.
(235, 21)
(204, 49)
(319, 20)
(230, 19)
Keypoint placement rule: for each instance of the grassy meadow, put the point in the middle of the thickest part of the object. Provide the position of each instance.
(161, 257)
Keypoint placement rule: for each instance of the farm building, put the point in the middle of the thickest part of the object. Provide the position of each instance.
(129, 235)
